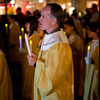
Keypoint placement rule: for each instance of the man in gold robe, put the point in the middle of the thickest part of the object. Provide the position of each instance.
(5, 80)
(53, 78)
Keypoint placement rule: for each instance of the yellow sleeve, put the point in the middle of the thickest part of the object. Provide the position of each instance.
(56, 69)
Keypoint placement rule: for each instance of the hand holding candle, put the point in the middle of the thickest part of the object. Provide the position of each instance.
(27, 44)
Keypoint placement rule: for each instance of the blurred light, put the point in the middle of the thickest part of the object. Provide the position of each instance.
(41, 1)
(79, 14)
(85, 13)
(2, 7)
(12, 5)
(12, 2)
(1, 12)
(28, 7)
(71, 10)
(69, 4)
(63, 6)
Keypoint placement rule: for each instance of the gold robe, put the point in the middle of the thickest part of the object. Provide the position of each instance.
(77, 52)
(14, 42)
(28, 71)
(91, 86)
(54, 78)
(5, 80)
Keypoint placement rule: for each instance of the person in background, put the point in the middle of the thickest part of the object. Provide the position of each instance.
(91, 85)
(5, 79)
(14, 57)
(78, 26)
(54, 79)
(21, 18)
(35, 34)
(77, 47)
(36, 13)
(95, 14)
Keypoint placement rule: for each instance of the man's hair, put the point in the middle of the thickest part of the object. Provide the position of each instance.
(57, 12)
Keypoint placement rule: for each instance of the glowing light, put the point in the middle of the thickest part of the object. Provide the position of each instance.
(63, 6)
(41, 1)
(79, 14)
(28, 7)
(71, 10)
(69, 4)
(12, 2)
(2, 7)
(1, 12)
(6, 25)
(12, 5)
(85, 12)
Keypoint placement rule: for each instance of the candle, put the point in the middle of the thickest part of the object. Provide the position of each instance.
(6, 25)
(88, 51)
(28, 48)
(31, 45)
(20, 42)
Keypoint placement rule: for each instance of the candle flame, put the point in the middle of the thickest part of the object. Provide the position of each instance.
(20, 37)
(88, 47)
(6, 25)
(22, 29)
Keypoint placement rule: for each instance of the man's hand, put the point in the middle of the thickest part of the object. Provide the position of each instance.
(32, 59)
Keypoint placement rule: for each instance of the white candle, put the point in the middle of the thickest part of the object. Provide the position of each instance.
(20, 42)
(27, 44)
(88, 53)
(31, 45)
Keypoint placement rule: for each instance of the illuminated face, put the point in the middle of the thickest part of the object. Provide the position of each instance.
(46, 20)
(67, 29)
(91, 34)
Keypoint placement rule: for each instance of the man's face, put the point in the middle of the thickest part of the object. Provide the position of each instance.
(46, 19)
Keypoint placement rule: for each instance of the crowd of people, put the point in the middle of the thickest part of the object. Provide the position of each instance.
(64, 60)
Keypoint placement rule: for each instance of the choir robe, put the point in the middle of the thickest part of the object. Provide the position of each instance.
(14, 42)
(54, 78)
(79, 29)
(91, 86)
(5, 80)
(77, 51)
(28, 71)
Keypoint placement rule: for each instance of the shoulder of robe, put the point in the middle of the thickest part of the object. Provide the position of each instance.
(60, 47)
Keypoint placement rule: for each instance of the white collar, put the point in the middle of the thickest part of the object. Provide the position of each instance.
(93, 44)
(51, 39)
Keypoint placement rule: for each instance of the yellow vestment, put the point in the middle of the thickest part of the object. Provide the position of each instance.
(91, 86)
(5, 80)
(54, 78)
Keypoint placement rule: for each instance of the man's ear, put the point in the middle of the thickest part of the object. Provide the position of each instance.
(54, 21)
